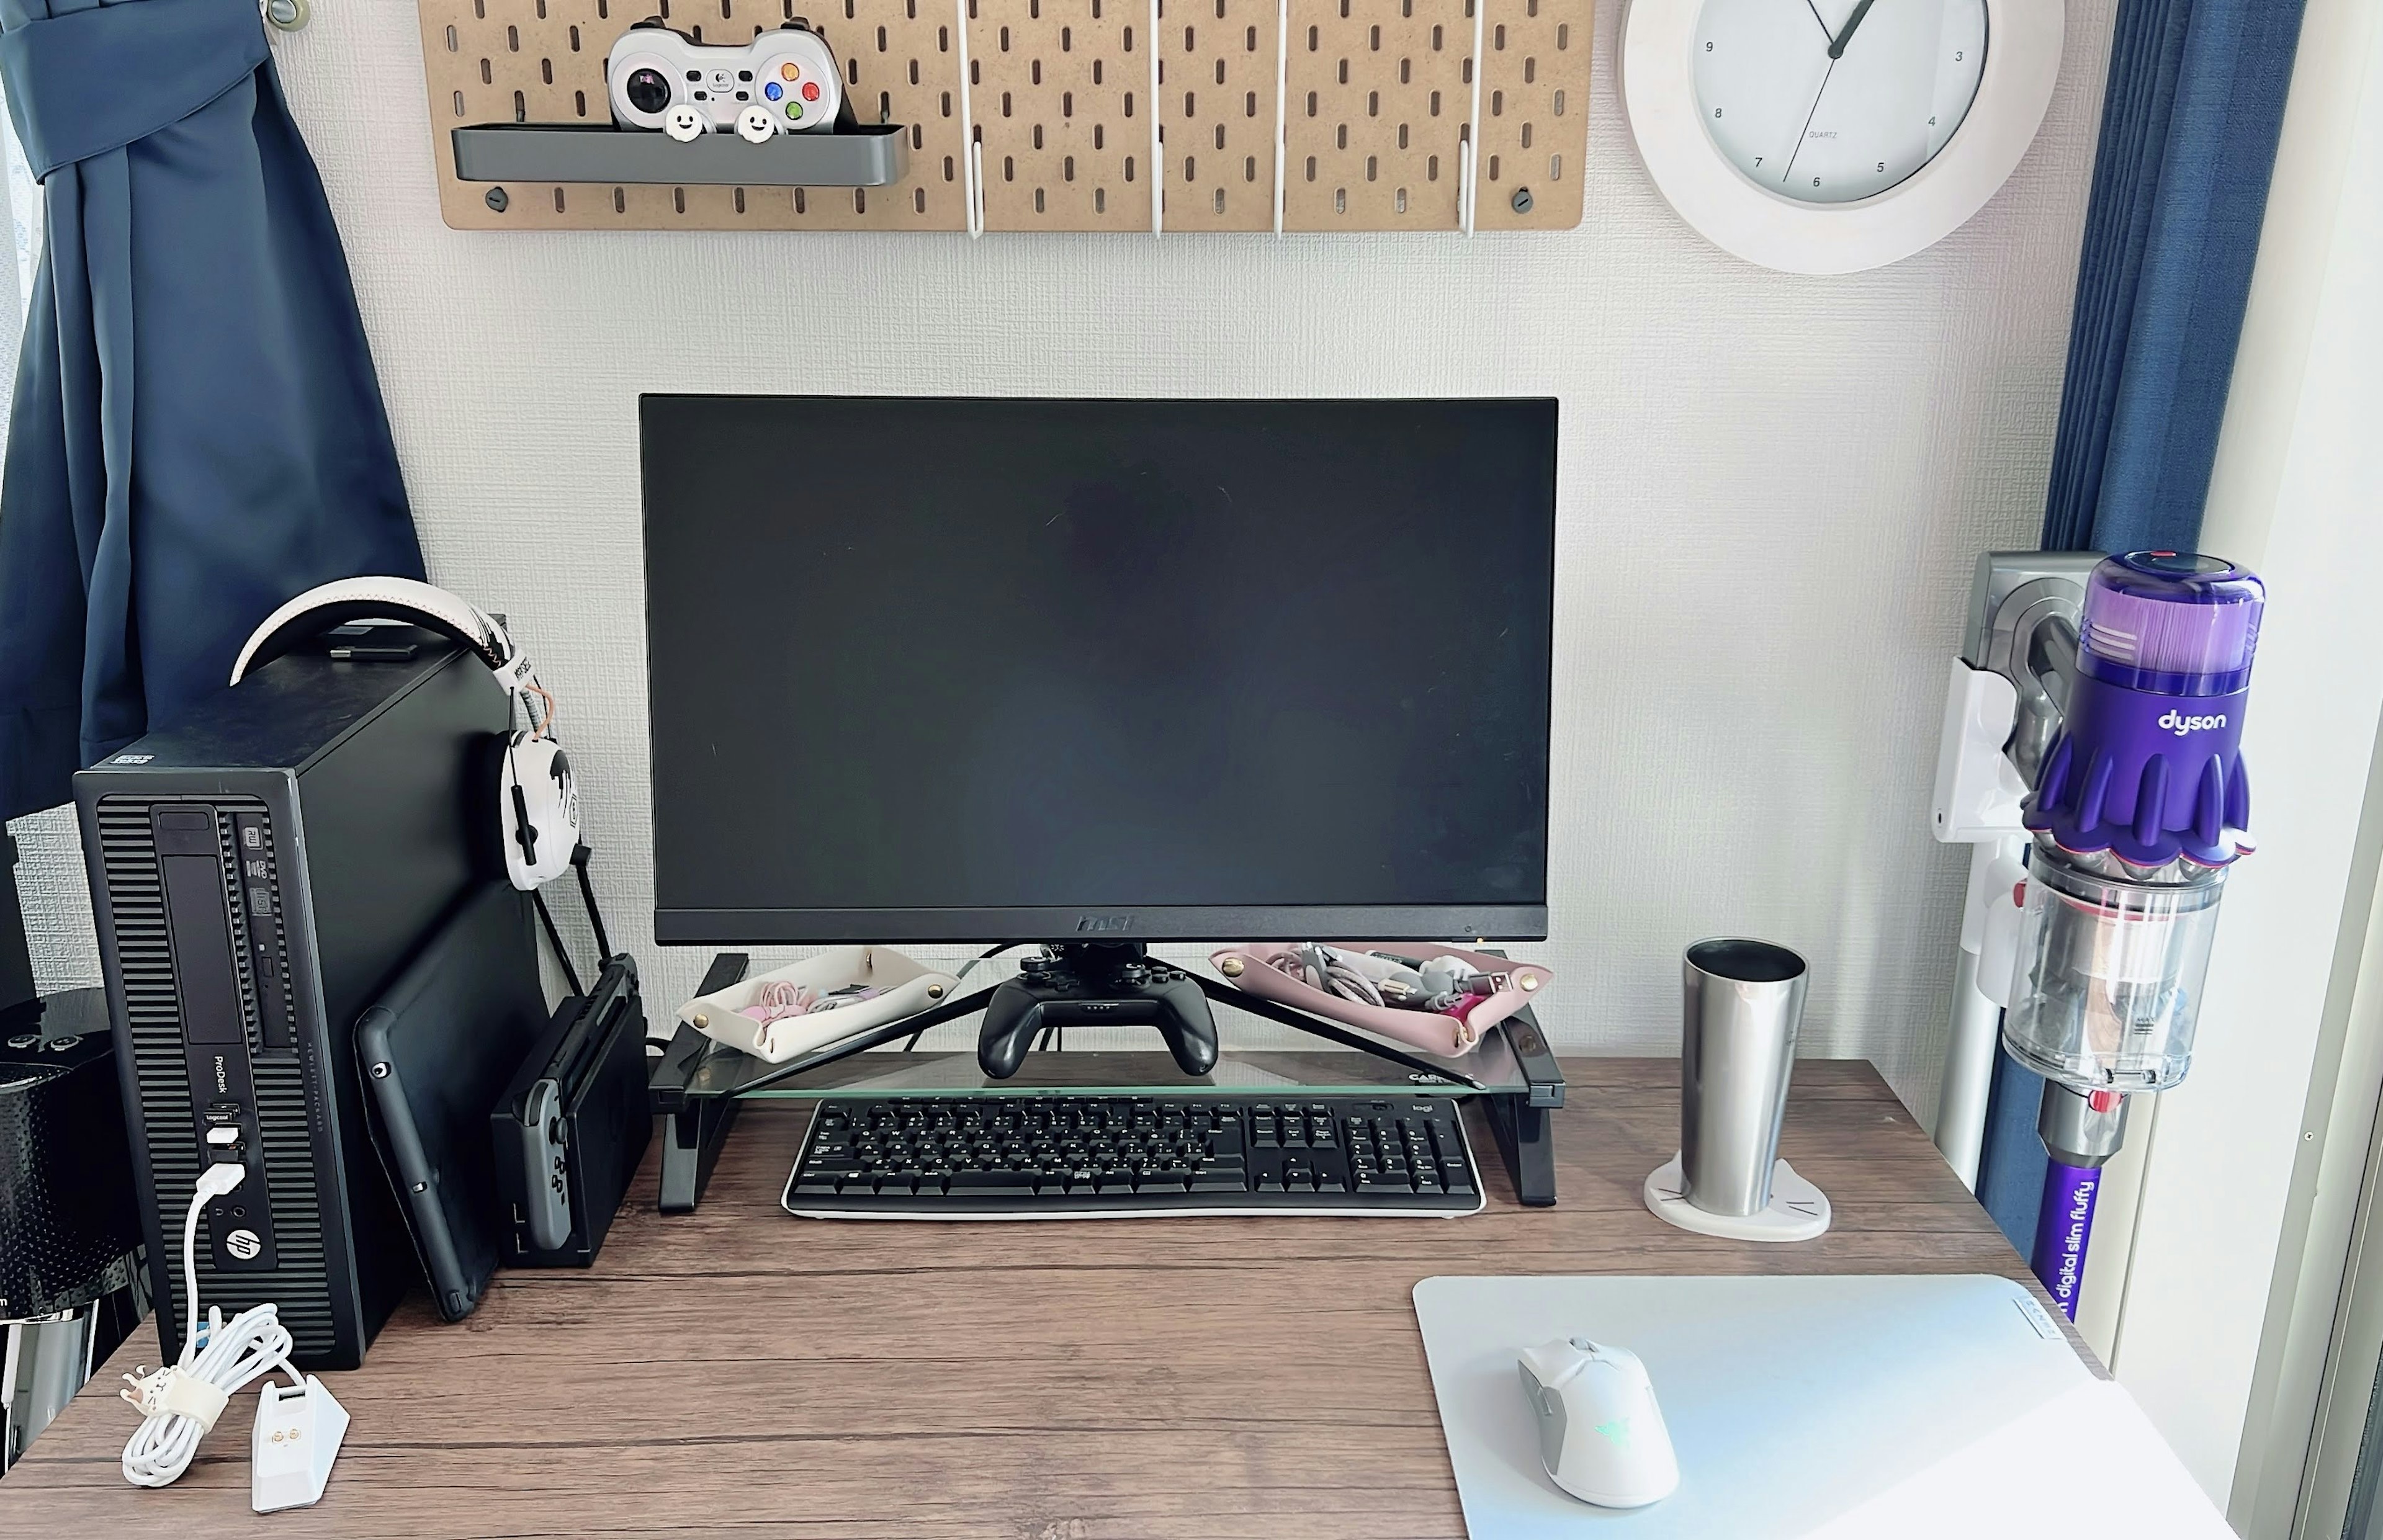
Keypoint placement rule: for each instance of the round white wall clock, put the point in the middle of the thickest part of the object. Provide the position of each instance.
(1829, 136)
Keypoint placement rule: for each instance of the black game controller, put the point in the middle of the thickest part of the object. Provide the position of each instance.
(1097, 984)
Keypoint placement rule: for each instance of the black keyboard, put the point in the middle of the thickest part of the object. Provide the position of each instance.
(1061, 1156)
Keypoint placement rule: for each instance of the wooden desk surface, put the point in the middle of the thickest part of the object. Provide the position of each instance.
(740, 1372)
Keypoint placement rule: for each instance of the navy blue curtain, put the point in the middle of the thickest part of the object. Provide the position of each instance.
(197, 432)
(2195, 103)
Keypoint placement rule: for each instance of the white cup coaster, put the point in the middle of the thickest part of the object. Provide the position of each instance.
(1799, 1211)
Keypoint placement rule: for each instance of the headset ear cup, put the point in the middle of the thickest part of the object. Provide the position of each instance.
(538, 810)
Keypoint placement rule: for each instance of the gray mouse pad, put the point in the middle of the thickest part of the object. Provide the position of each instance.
(1791, 1401)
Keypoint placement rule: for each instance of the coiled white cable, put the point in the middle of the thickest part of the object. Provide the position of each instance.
(215, 1364)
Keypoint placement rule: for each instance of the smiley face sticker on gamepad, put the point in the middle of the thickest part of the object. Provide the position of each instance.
(784, 82)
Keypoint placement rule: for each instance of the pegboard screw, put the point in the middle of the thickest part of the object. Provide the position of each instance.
(497, 199)
(1522, 200)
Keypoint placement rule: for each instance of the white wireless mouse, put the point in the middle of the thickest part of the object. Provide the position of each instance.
(1601, 1434)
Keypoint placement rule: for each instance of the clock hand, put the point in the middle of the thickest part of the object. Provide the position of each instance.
(1808, 117)
(1838, 46)
(1815, 9)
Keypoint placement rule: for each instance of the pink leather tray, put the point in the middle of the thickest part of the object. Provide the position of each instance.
(1250, 967)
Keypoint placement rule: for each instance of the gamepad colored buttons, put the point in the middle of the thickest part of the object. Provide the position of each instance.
(671, 70)
(794, 111)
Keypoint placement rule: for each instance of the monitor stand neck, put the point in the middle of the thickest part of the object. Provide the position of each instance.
(1098, 961)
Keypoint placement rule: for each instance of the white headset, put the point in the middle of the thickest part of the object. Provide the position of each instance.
(537, 800)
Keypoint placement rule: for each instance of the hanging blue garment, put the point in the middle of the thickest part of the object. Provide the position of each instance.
(197, 434)
(2189, 120)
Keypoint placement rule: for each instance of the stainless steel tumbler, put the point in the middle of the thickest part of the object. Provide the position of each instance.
(1741, 1004)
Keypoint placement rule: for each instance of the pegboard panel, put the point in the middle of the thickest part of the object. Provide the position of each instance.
(1376, 99)
(1061, 98)
(1534, 95)
(1380, 96)
(1217, 104)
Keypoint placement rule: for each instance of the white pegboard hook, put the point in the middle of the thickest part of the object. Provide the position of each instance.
(1468, 191)
(1157, 137)
(972, 152)
(1281, 106)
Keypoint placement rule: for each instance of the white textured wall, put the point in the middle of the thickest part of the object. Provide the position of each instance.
(1772, 487)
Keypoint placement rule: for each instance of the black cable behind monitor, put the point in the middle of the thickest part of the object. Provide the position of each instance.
(587, 893)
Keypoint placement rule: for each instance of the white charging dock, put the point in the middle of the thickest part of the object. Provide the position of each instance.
(1799, 1211)
(298, 1435)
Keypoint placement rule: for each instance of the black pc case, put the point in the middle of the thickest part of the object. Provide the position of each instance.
(259, 872)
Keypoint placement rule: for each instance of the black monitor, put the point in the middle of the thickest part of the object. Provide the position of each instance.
(1018, 670)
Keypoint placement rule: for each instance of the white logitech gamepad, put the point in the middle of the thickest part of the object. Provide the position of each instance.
(783, 81)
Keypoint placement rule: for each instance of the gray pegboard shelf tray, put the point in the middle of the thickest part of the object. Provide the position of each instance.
(874, 155)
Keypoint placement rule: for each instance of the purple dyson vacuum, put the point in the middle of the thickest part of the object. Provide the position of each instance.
(2141, 806)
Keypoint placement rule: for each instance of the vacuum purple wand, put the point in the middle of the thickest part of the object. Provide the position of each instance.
(2082, 1130)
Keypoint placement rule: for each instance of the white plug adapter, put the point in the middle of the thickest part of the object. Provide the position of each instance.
(298, 1435)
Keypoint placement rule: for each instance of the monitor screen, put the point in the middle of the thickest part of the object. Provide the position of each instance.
(945, 670)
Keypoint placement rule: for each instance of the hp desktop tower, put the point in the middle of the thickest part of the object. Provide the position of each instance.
(259, 869)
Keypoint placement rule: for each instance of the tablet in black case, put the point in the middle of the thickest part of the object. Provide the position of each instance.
(436, 1053)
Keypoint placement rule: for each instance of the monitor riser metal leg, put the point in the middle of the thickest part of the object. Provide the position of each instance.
(694, 1128)
(691, 1141)
(1527, 1144)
